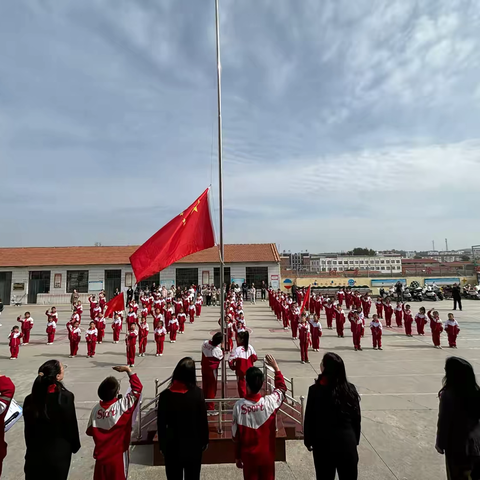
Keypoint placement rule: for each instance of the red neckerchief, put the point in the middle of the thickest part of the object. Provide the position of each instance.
(254, 397)
(52, 388)
(178, 387)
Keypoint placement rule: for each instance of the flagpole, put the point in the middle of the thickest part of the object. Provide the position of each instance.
(220, 192)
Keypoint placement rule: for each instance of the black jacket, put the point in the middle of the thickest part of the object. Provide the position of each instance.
(326, 425)
(456, 293)
(182, 422)
(458, 428)
(51, 441)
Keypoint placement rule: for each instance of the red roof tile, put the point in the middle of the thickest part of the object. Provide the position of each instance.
(58, 256)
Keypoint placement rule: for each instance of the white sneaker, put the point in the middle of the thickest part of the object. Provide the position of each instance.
(25, 343)
(157, 354)
(161, 354)
(70, 356)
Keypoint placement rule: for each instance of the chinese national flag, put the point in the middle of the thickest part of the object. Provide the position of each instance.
(116, 304)
(306, 299)
(187, 233)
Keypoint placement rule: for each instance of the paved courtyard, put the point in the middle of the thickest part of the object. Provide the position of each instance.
(399, 387)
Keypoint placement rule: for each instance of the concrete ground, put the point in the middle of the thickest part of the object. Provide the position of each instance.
(399, 388)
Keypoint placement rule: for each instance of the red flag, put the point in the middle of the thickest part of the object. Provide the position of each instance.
(306, 299)
(187, 233)
(116, 304)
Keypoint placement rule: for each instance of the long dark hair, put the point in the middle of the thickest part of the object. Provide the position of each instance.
(47, 376)
(244, 338)
(344, 394)
(185, 373)
(460, 380)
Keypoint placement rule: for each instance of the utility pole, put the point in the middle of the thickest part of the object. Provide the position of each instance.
(446, 245)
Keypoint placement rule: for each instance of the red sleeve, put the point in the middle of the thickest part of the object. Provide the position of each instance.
(7, 389)
(280, 382)
(136, 385)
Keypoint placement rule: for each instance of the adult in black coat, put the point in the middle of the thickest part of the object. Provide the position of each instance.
(457, 297)
(332, 422)
(458, 428)
(182, 423)
(51, 428)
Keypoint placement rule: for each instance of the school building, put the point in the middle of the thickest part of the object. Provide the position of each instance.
(48, 275)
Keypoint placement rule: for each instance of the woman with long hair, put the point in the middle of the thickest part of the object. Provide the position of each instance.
(182, 423)
(241, 359)
(51, 428)
(332, 422)
(458, 428)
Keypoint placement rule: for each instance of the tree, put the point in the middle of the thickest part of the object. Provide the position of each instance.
(465, 258)
(362, 252)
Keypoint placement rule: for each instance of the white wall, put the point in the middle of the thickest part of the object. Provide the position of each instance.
(97, 273)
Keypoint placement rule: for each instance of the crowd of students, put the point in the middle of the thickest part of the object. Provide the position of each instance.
(168, 316)
(302, 316)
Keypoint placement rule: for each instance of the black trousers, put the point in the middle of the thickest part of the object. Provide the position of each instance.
(245, 294)
(328, 462)
(209, 300)
(264, 294)
(467, 469)
(176, 466)
(459, 301)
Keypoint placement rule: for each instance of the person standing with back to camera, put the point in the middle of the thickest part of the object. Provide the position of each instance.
(332, 422)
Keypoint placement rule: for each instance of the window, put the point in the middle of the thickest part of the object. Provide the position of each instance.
(185, 277)
(350, 262)
(148, 282)
(377, 262)
(226, 276)
(256, 275)
(372, 262)
(383, 268)
(356, 262)
(77, 280)
(382, 261)
(398, 261)
(361, 262)
(387, 261)
(334, 262)
(340, 269)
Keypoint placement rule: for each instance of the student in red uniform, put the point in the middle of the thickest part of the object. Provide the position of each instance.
(182, 318)
(27, 325)
(158, 317)
(318, 305)
(340, 296)
(305, 338)
(348, 298)
(294, 320)
(316, 329)
(357, 299)
(100, 323)
(132, 318)
(408, 320)
(230, 332)
(160, 333)
(399, 314)
(52, 317)
(388, 309)
(241, 359)
(75, 334)
(14, 339)
(357, 331)
(143, 330)
(191, 311)
(339, 321)
(421, 321)
(173, 329)
(168, 314)
(437, 327)
(79, 310)
(376, 328)
(379, 307)
(366, 305)
(329, 312)
(116, 327)
(212, 355)
(198, 305)
(93, 305)
(254, 424)
(131, 344)
(110, 425)
(453, 329)
(91, 338)
(7, 390)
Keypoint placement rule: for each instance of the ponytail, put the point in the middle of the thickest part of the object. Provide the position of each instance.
(244, 337)
(47, 376)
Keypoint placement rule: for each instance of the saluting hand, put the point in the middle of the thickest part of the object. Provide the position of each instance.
(270, 361)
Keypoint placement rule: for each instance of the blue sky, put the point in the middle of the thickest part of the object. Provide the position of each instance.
(345, 123)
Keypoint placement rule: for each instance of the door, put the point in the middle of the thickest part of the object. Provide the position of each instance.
(113, 280)
(5, 287)
(38, 282)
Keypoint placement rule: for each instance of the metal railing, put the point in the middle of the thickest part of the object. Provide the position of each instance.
(295, 408)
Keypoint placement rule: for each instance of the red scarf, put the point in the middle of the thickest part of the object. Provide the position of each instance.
(178, 387)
